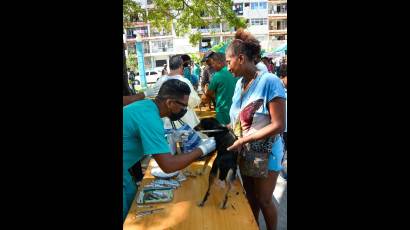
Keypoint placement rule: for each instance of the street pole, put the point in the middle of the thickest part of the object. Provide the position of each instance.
(140, 56)
(126, 87)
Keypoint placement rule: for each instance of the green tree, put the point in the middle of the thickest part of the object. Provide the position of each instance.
(132, 62)
(186, 14)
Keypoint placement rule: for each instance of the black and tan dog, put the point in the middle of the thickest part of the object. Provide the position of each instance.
(225, 163)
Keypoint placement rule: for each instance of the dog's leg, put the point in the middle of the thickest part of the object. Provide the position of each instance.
(210, 182)
(202, 171)
(228, 179)
(199, 172)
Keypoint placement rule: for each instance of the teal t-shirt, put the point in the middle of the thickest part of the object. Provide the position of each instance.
(223, 84)
(143, 132)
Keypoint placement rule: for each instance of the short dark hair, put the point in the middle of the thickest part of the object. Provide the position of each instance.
(173, 89)
(186, 60)
(175, 62)
(185, 57)
(218, 57)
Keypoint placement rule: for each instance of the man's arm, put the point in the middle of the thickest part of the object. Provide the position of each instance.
(171, 163)
(213, 85)
(210, 94)
(129, 99)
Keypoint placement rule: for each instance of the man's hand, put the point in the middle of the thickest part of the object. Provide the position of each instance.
(207, 146)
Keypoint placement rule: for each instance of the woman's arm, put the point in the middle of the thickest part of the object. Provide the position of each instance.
(129, 99)
(277, 109)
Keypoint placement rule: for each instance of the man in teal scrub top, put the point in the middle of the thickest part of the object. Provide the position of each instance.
(143, 134)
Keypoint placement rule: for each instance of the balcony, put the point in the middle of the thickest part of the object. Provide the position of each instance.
(278, 10)
(209, 30)
(277, 27)
(157, 50)
(132, 51)
(277, 1)
(138, 23)
(275, 32)
(276, 13)
(160, 34)
(132, 32)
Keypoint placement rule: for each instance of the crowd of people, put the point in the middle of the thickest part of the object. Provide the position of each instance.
(249, 94)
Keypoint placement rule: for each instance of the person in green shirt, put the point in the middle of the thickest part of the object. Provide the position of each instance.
(144, 134)
(221, 87)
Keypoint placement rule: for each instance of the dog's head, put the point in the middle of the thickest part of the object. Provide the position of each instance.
(224, 138)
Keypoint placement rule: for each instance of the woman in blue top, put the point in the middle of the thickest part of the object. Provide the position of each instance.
(257, 116)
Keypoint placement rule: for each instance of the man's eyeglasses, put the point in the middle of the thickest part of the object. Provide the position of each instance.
(183, 104)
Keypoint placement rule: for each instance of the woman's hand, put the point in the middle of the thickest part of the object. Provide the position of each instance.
(237, 145)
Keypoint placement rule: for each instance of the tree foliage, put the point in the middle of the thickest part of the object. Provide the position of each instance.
(185, 14)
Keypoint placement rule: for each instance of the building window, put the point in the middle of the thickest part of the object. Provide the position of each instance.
(282, 25)
(147, 63)
(155, 32)
(143, 31)
(227, 28)
(137, 18)
(259, 21)
(259, 5)
(278, 24)
(162, 46)
(131, 48)
(160, 63)
(280, 37)
(238, 8)
(146, 47)
(207, 43)
(210, 28)
(132, 32)
(278, 9)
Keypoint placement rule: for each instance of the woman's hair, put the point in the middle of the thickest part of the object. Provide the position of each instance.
(246, 44)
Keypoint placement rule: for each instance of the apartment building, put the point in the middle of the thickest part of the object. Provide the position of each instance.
(267, 21)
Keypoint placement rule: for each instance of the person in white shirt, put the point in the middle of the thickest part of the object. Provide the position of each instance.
(260, 65)
(176, 72)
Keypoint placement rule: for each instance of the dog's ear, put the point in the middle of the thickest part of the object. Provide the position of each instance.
(198, 127)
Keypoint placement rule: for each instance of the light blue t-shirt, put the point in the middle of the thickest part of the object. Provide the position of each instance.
(143, 134)
(250, 111)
